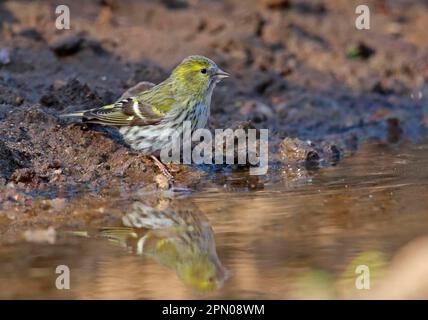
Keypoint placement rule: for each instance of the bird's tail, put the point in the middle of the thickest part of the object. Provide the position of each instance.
(73, 114)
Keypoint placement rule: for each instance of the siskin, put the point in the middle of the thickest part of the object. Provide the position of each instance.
(145, 120)
(180, 239)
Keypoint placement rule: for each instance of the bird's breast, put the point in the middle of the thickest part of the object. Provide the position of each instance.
(200, 115)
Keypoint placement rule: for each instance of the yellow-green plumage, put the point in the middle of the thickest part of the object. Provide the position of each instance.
(147, 119)
(181, 239)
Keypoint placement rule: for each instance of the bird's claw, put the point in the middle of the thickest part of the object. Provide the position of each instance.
(163, 169)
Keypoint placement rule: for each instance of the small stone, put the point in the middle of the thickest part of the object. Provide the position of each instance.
(19, 100)
(293, 149)
(331, 152)
(67, 46)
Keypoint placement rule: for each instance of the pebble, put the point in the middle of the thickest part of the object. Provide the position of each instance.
(67, 45)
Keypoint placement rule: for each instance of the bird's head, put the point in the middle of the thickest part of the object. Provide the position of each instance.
(202, 273)
(197, 75)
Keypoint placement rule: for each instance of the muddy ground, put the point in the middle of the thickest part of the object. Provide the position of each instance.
(300, 69)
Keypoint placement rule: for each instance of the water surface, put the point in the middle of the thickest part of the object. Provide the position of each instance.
(296, 234)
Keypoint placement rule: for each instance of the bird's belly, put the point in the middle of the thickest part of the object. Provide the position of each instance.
(153, 138)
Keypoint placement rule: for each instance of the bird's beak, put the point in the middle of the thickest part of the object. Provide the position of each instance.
(220, 74)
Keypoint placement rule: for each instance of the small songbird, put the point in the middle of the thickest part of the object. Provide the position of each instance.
(147, 119)
(180, 239)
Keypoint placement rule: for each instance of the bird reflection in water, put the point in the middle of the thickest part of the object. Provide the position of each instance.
(177, 237)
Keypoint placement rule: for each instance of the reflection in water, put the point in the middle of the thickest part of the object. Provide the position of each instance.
(292, 234)
(181, 239)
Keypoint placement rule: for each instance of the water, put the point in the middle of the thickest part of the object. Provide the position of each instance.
(297, 234)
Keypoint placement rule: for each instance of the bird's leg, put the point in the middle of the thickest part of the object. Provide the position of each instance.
(163, 168)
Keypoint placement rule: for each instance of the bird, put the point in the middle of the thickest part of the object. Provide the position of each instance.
(178, 237)
(146, 119)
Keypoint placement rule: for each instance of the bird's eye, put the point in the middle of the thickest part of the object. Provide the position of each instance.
(203, 71)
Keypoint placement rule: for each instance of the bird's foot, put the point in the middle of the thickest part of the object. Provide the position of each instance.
(163, 169)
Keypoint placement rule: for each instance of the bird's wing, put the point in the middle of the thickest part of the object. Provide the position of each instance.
(118, 235)
(127, 112)
(183, 225)
(137, 90)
